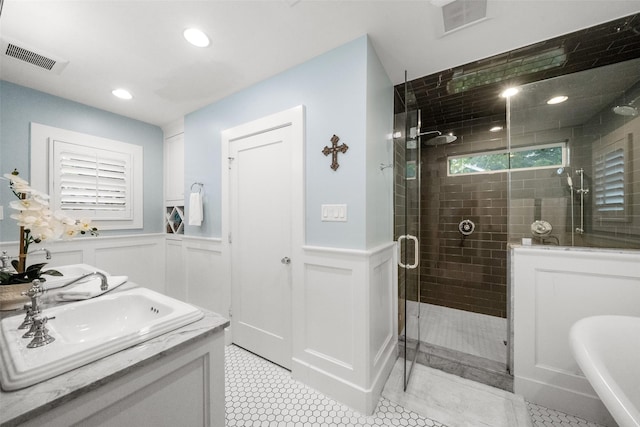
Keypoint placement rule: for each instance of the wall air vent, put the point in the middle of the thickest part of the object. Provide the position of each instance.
(20, 52)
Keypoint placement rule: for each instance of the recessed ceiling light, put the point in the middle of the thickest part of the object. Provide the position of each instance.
(557, 99)
(509, 92)
(495, 129)
(196, 37)
(122, 93)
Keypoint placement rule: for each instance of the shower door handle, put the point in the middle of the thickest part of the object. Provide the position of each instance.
(416, 246)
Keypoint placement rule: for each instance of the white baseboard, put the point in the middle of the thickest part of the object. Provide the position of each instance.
(564, 400)
(358, 398)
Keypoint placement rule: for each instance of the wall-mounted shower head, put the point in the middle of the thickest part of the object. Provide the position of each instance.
(565, 171)
(439, 139)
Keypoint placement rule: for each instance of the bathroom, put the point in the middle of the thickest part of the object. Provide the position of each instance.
(359, 250)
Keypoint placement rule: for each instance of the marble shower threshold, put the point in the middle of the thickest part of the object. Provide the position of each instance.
(468, 366)
(455, 401)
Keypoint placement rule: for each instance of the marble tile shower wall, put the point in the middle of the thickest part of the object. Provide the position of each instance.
(464, 273)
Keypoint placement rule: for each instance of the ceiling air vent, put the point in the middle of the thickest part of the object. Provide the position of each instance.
(39, 59)
(457, 14)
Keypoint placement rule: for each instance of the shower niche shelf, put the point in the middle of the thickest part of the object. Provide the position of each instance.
(174, 219)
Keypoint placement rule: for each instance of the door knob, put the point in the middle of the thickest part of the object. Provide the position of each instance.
(286, 260)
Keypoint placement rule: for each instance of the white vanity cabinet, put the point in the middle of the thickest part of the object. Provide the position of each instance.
(176, 379)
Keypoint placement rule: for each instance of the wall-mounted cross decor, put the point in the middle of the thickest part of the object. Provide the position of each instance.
(334, 150)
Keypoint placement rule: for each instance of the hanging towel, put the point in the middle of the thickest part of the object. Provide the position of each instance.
(195, 209)
(90, 288)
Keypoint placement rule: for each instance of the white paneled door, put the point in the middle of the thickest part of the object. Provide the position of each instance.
(260, 216)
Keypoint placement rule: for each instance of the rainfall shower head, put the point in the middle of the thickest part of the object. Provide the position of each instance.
(625, 110)
(629, 110)
(439, 139)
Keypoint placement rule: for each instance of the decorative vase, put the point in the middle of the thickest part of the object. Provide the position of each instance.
(11, 297)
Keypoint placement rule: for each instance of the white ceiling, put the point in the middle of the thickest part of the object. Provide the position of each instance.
(138, 45)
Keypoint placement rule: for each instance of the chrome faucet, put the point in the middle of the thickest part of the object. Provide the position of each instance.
(45, 250)
(34, 293)
(37, 290)
(33, 319)
(4, 258)
(104, 285)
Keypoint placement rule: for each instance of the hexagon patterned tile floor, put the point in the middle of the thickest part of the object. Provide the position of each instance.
(260, 393)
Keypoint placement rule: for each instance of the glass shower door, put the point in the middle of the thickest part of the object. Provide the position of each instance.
(407, 229)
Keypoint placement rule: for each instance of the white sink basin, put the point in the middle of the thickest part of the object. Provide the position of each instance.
(87, 331)
(607, 349)
(69, 273)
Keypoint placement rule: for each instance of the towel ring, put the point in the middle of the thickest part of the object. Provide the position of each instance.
(199, 184)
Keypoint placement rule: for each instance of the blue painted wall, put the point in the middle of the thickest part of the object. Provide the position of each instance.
(19, 106)
(379, 207)
(333, 87)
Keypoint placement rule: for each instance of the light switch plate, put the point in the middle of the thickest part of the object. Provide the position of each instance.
(333, 213)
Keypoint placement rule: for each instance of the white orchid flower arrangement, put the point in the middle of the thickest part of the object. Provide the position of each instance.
(37, 223)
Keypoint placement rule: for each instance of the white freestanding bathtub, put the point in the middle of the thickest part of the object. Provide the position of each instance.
(607, 349)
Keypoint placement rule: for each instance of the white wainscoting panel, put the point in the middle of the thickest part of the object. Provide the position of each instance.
(175, 282)
(552, 289)
(141, 256)
(206, 272)
(329, 321)
(139, 259)
(383, 316)
(344, 323)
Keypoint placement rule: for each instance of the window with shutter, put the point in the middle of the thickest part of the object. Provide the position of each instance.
(94, 183)
(88, 176)
(609, 182)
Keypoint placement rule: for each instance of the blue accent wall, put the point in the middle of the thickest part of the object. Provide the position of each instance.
(19, 106)
(333, 87)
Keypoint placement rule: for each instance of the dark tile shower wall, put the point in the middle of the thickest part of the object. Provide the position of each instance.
(464, 273)
(543, 194)
(399, 211)
(473, 276)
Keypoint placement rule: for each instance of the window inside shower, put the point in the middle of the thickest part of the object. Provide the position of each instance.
(594, 201)
(542, 156)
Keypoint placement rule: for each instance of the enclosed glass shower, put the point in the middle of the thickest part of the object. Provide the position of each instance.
(555, 174)
(407, 230)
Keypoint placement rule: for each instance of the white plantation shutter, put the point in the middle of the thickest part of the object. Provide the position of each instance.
(92, 182)
(609, 182)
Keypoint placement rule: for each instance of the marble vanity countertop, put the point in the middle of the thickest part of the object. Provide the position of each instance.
(19, 406)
